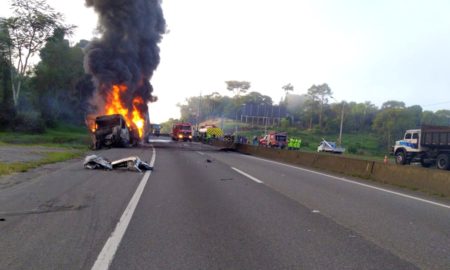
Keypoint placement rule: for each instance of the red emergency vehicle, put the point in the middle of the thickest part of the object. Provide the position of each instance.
(274, 139)
(182, 132)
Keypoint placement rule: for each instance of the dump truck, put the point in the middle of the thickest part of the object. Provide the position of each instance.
(428, 145)
(182, 132)
(112, 130)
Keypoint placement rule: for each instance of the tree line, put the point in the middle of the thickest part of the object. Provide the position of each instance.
(54, 90)
(314, 111)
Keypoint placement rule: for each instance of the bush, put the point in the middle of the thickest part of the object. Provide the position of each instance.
(28, 122)
(352, 149)
(7, 114)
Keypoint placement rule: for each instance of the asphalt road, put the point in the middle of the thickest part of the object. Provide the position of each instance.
(201, 208)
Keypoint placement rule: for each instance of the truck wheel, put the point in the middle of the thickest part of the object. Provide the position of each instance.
(400, 158)
(442, 162)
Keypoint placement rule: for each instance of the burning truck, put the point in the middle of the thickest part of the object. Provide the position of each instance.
(118, 125)
(121, 62)
(112, 130)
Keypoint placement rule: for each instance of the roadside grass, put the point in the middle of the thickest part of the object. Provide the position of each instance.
(69, 141)
(50, 157)
(63, 136)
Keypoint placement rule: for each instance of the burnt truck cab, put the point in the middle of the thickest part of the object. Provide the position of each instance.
(112, 130)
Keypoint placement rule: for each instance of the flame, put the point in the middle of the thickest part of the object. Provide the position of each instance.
(137, 119)
(114, 105)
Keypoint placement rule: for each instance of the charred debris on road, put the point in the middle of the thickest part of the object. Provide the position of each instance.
(132, 163)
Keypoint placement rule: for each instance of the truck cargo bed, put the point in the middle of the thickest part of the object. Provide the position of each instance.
(435, 136)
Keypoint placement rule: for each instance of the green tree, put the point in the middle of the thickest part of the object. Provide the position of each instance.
(256, 98)
(287, 88)
(319, 93)
(4, 64)
(238, 87)
(385, 124)
(34, 21)
(393, 104)
(7, 111)
(56, 79)
(393, 120)
(438, 118)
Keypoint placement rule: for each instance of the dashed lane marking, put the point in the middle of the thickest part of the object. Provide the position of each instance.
(248, 175)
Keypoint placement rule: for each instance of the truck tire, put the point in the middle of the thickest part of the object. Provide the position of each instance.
(442, 162)
(400, 157)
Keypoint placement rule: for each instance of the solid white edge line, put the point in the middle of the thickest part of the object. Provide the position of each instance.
(248, 175)
(106, 256)
(354, 182)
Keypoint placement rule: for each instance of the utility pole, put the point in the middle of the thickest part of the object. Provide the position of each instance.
(342, 123)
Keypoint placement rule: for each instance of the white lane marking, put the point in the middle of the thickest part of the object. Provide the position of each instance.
(200, 153)
(248, 175)
(106, 256)
(354, 182)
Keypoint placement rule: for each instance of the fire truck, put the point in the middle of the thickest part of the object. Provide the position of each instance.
(274, 139)
(182, 132)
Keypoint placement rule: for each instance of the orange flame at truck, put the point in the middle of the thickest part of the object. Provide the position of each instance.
(114, 105)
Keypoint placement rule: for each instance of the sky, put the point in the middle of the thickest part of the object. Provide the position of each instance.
(364, 50)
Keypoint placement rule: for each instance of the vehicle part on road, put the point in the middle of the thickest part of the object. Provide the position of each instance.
(130, 163)
(96, 162)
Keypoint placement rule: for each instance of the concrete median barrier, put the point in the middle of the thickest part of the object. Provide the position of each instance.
(433, 181)
(344, 165)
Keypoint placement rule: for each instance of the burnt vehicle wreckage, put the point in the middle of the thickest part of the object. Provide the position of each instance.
(132, 163)
(113, 130)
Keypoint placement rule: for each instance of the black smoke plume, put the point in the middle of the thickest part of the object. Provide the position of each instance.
(127, 51)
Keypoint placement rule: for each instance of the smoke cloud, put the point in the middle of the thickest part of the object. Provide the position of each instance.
(127, 52)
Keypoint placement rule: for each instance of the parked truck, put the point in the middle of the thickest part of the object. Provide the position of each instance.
(428, 145)
(274, 139)
(182, 132)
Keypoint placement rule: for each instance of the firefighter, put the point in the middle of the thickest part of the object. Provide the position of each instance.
(290, 143)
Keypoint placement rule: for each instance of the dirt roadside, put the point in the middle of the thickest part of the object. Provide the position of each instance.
(13, 153)
(19, 163)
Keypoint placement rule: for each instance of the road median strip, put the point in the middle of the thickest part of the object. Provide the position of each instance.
(435, 182)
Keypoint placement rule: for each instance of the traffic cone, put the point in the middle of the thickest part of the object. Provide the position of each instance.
(385, 159)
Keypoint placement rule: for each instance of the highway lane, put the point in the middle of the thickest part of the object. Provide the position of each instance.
(62, 215)
(197, 212)
(415, 230)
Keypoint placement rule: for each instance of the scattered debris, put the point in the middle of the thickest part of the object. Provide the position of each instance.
(2, 219)
(208, 160)
(315, 211)
(96, 162)
(129, 163)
